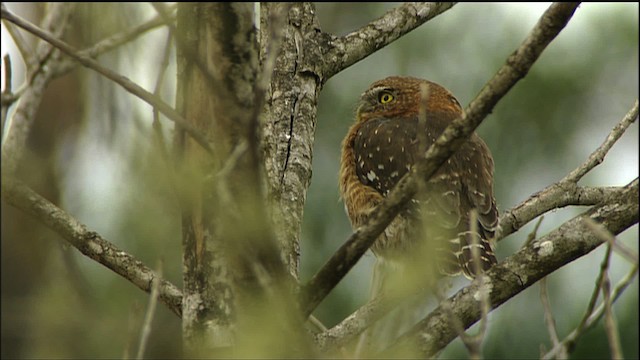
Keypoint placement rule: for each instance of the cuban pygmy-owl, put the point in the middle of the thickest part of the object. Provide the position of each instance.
(384, 144)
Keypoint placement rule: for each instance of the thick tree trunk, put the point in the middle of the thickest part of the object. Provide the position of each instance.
(237, 290)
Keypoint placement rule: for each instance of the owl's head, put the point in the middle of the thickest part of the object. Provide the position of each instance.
(399, 96)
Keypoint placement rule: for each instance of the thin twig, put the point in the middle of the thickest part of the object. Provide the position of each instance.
(55, 21)
(601, 232)
(134, 316)
(597, 157)
(593, 318)
(18, 126)
(534, 233)
(6, 93)
(111, 42)
(566, 191)
(548, 316)
(157, 125)
(27, 53)
(609, 322)
(452, 138)
(544, 296)
(605, 286)
(561, 349)
(121, 80)
(151, 310)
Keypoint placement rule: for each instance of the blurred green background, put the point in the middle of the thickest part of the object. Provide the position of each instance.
(93, 152)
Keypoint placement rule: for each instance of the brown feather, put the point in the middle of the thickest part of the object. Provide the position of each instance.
(383, 145)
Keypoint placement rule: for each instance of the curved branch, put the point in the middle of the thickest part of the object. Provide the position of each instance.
(554, 196)
(597, 156)
(516, 67)
(351, 48)
(566, 191)
(88, 242)
(570, 241)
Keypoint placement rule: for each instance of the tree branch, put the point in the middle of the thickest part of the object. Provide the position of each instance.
(41, 59)
(88, 242)
(353, 325)
(570, 241)
(598, 155)
(566, 191)
(516, 67)
(351, 48)
(123, 81)
(112, 42)
(592, 316)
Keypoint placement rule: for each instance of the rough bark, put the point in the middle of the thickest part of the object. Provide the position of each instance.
(235, 281)
(289, 122)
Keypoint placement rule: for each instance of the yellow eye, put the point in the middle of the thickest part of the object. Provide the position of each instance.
(385, 97)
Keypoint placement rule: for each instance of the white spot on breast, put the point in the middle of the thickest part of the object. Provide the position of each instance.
(377, 148)
(389, 140)
(402, 149)
(390, 158)
(371, 176)
(380, 167)
(394, 174)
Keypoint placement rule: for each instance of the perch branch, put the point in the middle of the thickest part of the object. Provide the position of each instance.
(570, 241)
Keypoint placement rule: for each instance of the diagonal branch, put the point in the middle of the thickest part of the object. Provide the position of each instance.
(566, 191)
(592, 316)
(123, 81)
(88, 242)
(516, 67)
(351, 48)
(112, 42)
(598, 155)
(570, 241)
(43, 57)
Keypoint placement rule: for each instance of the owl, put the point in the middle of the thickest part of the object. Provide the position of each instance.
(435, 229)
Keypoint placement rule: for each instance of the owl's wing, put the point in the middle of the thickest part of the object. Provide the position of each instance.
(387, 148)
(474, 164)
